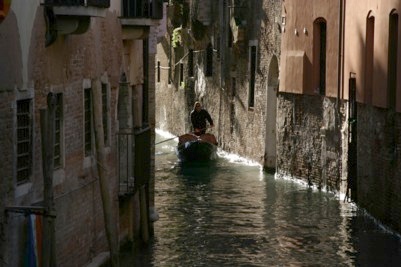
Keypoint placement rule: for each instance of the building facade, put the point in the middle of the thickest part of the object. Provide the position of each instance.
(308, 88)
(225, 54)
(76, 82)
(339, 101)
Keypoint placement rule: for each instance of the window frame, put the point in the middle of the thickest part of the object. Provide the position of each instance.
(28, 114)
(88, 152)
(59, 116)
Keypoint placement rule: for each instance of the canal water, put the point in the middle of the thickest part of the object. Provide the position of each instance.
(230, 213)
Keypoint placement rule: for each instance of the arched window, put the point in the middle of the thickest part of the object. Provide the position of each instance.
(319, 49)
(369, 63)
(392, 60)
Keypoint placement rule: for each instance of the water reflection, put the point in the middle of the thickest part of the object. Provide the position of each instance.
(224, 213)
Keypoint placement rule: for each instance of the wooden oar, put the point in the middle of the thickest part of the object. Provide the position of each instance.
(166, 140)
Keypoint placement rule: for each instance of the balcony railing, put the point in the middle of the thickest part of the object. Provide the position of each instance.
(139, 9)
(75, 3)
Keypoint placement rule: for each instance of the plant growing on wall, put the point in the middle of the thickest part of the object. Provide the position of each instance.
(176, 38)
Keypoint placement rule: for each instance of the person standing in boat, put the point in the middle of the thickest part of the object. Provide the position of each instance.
(199, 116)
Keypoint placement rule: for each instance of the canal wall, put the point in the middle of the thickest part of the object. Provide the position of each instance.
(310, 134)
(312, 146)
(240, 125)
(302, 117)
(379, 164)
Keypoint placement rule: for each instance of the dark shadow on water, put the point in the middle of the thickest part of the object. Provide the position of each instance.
(197, 172)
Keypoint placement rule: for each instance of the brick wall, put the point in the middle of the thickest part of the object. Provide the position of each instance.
(174, 104)
(62, 68)
(309, 144)
(379, 161)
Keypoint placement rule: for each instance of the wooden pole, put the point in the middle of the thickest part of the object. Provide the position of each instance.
(110, 219)
(47, 122)
(144, 213)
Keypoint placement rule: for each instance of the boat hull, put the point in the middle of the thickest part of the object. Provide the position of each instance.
(194, 148)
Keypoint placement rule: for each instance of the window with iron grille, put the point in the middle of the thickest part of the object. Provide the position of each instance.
(105, 113)
(24, 141)
(58, 132)
(88, 121)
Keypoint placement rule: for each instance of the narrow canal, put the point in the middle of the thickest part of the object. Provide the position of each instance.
(230, 213)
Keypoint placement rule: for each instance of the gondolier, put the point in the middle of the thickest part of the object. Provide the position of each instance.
(199, 116)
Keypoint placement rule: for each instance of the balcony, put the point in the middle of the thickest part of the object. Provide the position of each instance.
(89, 8)
(71, 16)
(137, 16)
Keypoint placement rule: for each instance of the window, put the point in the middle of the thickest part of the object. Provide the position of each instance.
(370, 37)
(252, 78)
(320, 33)
(58, 132)
(181, 73)
(191, 63)
(24, 141)
(209, 61)
(158, 71)
(105, 113)
(392, 60)
(88, 122)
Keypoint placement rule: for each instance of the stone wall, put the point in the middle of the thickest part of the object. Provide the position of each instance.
(309, 137)
(238, 128)
(379, 164)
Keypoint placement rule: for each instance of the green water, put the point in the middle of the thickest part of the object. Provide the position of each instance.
(229, 213)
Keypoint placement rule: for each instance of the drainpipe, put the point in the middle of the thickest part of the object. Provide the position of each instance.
(340, 76)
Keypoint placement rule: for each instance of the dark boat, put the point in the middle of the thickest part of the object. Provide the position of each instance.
(197, 148)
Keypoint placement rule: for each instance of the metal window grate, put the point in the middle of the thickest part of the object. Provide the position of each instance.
(88, 121)
(94, 3)
(58, 131)
(105, 112)
(24, 141)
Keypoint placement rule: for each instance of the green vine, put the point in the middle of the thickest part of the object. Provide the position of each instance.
(176, 38)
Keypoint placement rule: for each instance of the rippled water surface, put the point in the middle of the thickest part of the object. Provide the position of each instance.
(229, 213)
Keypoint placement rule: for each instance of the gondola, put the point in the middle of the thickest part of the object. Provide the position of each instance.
(197, 148)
